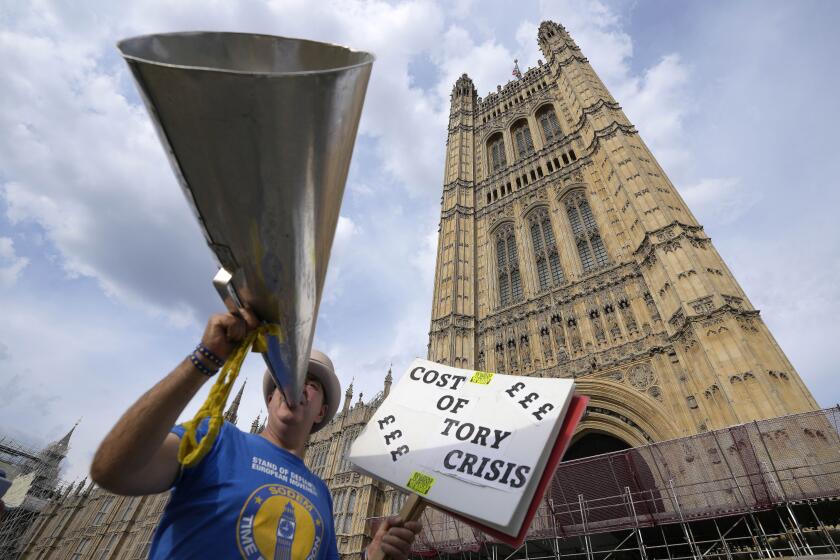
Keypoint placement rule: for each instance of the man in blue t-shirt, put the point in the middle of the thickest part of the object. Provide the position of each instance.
(251, 496)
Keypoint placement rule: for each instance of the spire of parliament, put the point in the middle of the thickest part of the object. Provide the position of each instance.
(231, 415)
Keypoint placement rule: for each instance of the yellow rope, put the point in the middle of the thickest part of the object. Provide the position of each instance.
(191, 451)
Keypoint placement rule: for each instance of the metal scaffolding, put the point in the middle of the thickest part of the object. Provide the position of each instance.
(756, 490)
(36, 473)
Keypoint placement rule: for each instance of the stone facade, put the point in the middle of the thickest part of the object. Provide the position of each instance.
(565, 251)
(88, 522)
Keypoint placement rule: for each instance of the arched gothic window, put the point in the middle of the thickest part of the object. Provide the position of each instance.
(522, 138)
(338, 507)
(593, 254)
(397, 501)
(320, 458)
(548, 121)
(496, 152)
(348, 518)
(507, 261)
(549, 271)
(349, 437)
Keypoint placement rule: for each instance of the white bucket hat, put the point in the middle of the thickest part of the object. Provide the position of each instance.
(320, 367)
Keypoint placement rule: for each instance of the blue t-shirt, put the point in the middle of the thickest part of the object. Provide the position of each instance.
(249, 499)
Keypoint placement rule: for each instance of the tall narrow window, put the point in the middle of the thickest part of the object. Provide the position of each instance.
(507, 261)
(496, 152)
(60, 524)
(548, 121)
(504, 281)
(349, 437)
(338, 497)
(348, 519)
(81, 549)
(105, 552)
(522, 138)
(549, 271)
(590, 246)
(130, 507)
(103, 511)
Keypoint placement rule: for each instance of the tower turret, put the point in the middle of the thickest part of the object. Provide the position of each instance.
(59, 448)
(552, 36)
(451, 337)
(389, 379)
(231, 415)
(565, 250)
(51, 457)
(348, 398)
(464, 89)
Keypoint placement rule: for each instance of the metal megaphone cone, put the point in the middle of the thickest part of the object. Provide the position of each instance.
(259, 131)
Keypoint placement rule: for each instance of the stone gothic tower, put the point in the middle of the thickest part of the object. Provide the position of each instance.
(565, 251)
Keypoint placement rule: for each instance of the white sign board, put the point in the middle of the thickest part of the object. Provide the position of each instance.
(472, 442)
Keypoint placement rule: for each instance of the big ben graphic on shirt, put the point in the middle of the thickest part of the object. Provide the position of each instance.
(280, 523)
(285, 534)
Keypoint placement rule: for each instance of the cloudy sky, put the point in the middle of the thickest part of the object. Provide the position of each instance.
(105, 277)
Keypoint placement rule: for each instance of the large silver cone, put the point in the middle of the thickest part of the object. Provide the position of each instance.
(259, 131)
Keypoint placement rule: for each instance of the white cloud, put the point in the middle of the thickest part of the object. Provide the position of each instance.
(461, 9)
(526, 39)
(334, 285)
(597, 31)
(11, 265)
(488, 62)
(360, 189)
(718, 201)
(658, 104)
(345, 230)
(99, 185)
(425, 258)
(794, 285)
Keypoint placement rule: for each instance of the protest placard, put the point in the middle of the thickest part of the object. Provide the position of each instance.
(473, 443)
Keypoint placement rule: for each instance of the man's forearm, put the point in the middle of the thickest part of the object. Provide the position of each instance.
(130, 446)
(136, 457)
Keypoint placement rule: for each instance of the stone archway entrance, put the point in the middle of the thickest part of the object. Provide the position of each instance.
(605, 471)
(594, 443)
(620, 414)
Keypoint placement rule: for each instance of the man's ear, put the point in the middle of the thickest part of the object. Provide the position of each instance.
(323, 414)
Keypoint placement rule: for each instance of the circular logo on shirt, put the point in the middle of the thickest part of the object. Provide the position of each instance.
(280, 523)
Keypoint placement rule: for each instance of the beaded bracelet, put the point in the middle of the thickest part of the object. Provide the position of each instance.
(204, 351)
(199, 365)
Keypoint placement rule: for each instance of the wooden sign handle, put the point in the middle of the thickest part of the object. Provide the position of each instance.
(411, 511)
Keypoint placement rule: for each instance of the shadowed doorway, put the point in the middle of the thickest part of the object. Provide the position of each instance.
(594, 443)
(601, 469)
